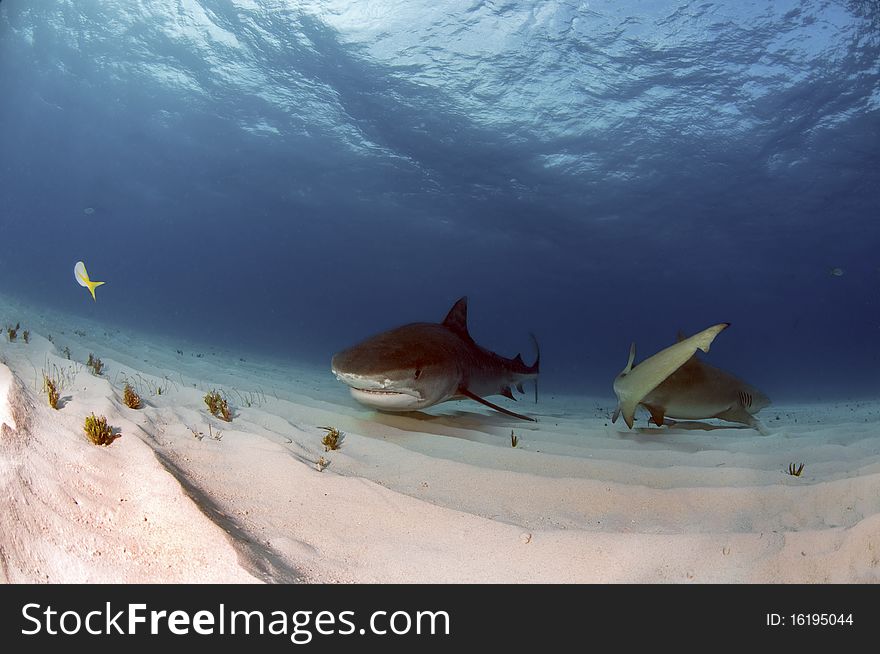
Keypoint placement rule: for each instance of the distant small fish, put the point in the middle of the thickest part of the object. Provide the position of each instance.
(82, 277)
(837, 272)
(89, 211)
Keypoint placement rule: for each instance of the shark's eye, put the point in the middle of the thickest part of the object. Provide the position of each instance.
(418, 373)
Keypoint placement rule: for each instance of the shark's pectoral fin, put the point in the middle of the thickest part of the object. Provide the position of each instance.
(476, 398)
(759, 426)
(506, 392)
(738, 414)
(628, 411)
(657, 414)
(520, 388)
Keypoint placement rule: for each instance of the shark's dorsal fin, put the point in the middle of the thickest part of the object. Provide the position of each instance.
(693, 361)
(477, 398)
(456, 319)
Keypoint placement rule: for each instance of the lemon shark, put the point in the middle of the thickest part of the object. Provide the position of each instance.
(675, 383)
(422, 364)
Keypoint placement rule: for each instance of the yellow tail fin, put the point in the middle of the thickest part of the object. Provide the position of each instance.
(92, 286)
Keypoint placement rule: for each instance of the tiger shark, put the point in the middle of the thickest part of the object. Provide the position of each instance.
(676, 383)
(422, 364)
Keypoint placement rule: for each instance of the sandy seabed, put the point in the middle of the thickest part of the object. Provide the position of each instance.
(440, 496)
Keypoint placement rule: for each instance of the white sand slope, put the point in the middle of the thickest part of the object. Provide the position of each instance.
(433, 497)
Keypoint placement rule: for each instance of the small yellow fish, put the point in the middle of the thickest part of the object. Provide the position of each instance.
(79, 271)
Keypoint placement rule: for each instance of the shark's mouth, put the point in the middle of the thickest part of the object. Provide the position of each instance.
(379, 394)
(386, 400)
(372, 391)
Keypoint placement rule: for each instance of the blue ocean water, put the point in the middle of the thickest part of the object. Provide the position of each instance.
(289, 177)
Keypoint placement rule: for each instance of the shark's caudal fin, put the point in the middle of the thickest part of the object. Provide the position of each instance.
(533, 369)
(477, 398)
(625, 371)
(536, 366)
(634, 383)
(82, 277)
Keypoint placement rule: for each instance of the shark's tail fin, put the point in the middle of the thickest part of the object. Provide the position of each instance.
(522, 369)
(537, 364)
